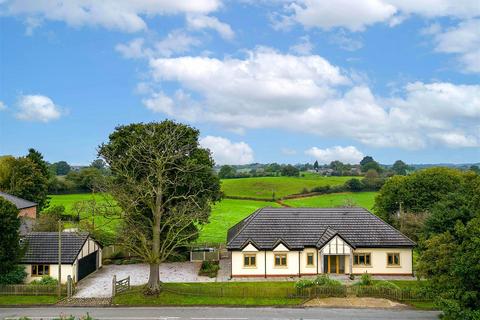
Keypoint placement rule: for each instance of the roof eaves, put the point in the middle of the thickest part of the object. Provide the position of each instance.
(253, 215)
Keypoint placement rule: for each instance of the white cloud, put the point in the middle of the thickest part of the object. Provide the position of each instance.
(198, 22)
(307, 94)
(463, 41)
(350, 14)
(3, 106)
(303, 47)
(37, 108)
(457, 139)
(358, 15)
(348, 154)
(175, 42)
(159, 102)
(227, 152)
(345, 42)
(123, 15)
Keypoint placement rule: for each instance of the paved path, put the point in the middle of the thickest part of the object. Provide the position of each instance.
(99, 284)
(220, 313)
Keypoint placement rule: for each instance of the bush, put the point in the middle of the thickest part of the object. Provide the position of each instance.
(351, 276)
(385, 285)
(45, 281)
(209, 269)
(304, 283)
(366, 280)
(324, 280)
(452, 310)
(16, 276)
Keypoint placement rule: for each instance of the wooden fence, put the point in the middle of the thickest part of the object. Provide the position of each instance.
(31, 290)
(262, 291)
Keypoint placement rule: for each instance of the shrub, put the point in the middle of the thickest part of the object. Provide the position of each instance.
(16, 276)
(209, 269)
(324, 280)
(351, 276)
(304, 283)
(366, 280)
(45, 281)
(385, 285)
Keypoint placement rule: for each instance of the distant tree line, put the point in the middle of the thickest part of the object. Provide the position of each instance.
(335, 168)
(66, 180)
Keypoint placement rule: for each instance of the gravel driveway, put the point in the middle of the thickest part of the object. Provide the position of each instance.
(99, 284)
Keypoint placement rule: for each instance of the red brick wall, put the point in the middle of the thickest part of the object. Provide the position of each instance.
(28, 212)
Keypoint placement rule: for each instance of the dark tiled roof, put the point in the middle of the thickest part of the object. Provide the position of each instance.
(42, 247)
(18, 202)
(311, 227)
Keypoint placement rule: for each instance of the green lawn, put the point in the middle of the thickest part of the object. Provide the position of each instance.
(27, 300)
(362, 199)
(227, 213)
(211, 294)
(264, 187)
(107, 223)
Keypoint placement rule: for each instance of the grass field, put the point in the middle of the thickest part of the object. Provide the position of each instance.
(362, 199)
(224, 214)
(108, 224)
(264, 187)
(227, 213)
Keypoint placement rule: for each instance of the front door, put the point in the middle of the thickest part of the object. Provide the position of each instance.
(334, 264)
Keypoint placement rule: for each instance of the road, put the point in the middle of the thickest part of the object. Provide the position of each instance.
(199, 313)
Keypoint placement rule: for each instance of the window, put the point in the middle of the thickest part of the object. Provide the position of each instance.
(281, 260)
(249, 260)
(361, 259)
(40, 269)
(310, 259)
(393, 259)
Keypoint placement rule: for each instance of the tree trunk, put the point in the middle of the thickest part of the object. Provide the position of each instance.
(153, 285)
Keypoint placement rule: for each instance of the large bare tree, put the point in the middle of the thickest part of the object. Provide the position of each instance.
(165, 184)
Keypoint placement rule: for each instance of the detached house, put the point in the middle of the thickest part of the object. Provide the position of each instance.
(309, 241)
(80, 255)
(27, 211)
(26, 208)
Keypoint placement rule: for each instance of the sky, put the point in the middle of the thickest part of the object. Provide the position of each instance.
(264, 81)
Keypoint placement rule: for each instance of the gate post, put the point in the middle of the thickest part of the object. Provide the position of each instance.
(69, 286)
(114, 283)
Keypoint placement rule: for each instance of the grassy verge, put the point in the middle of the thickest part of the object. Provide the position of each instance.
(135, 297)
(362, 199)
(27, 300)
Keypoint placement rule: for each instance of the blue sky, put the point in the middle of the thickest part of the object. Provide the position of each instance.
(264, 81)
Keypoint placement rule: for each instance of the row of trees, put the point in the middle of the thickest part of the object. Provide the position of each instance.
(440, 209)
(270, 170)
(26, 177)
(335, 168)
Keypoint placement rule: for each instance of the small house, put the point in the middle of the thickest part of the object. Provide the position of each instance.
(80, 255)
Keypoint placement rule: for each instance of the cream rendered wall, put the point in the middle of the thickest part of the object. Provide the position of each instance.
(378, 258)
(290, 269)
(304, 268)
(67, 270)
(237, 262)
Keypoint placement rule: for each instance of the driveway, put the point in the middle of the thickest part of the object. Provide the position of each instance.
(99, 284)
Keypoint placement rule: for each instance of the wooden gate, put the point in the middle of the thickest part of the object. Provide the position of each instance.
(120, 285)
